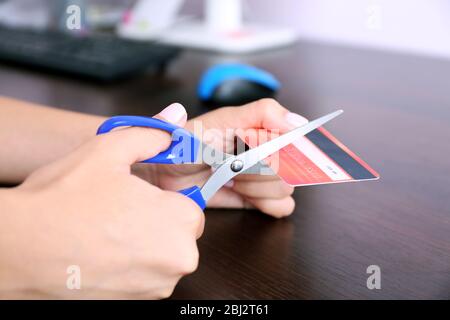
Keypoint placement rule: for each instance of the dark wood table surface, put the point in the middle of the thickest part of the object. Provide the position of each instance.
(397, 118)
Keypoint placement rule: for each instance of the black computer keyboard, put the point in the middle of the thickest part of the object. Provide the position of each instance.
(104, 57)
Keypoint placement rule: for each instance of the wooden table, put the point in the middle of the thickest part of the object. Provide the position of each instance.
(397, 117)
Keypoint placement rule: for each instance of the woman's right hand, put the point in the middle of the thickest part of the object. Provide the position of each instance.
(129, 238)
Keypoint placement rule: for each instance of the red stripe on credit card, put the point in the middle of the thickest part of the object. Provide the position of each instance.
(318, 158)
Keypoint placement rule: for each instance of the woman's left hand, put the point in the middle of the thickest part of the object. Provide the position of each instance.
(268, 193)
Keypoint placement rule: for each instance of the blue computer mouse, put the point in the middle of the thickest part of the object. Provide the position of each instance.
(232, 84)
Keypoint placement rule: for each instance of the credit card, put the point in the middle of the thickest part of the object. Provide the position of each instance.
(317, 158)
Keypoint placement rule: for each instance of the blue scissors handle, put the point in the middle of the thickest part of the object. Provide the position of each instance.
(183, 149)
(184, 146)
(195, 194)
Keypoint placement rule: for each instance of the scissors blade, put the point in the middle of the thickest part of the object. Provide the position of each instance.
(215, 158)
(263, 151)
(224, 173)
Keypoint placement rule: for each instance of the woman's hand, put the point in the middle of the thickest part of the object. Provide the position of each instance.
(130, 239)
(59, 132)
(266, 193)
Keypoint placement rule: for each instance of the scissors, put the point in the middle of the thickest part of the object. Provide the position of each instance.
(185, 148)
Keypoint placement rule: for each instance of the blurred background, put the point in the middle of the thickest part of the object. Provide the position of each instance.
(417, 26)
(314, 43)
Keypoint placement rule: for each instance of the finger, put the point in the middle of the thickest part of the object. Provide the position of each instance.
(226, 198)
(134, 144)
(275, 189)
(264, 113)
(185, 209)
(277, 208)
(180, 180)
(175, 113)
(256, 177)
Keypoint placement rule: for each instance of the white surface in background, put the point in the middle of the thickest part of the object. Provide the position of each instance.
(250, 38)
(25, 13)
(419, 26)
(221, 30)
(148, 18)
(223, 16)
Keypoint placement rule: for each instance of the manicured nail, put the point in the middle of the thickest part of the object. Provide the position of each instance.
(229, 184)
(174, 113)
(296, 120)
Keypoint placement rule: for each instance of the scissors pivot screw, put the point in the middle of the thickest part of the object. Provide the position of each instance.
(236, 165)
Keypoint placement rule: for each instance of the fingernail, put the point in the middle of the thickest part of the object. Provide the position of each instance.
(174, 113)
(229, 184)
(296, 120)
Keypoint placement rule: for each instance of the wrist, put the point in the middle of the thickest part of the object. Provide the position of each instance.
(36, 135)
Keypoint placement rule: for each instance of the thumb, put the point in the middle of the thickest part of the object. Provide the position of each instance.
(134, 144)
